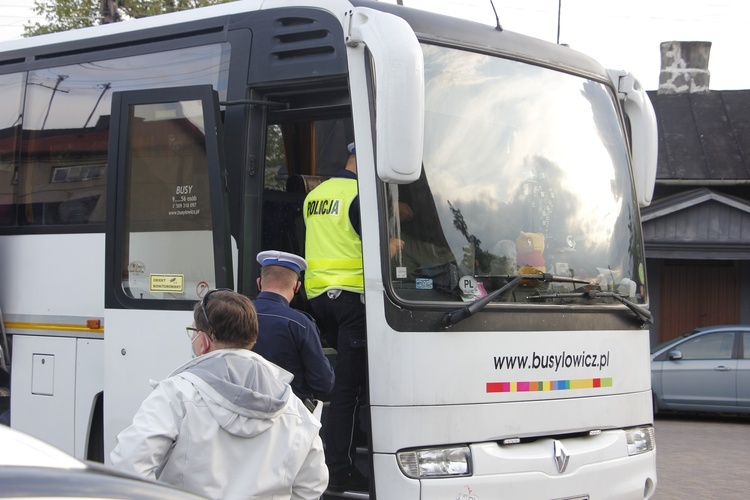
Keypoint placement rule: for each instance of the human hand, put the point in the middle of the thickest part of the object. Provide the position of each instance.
(394, 245)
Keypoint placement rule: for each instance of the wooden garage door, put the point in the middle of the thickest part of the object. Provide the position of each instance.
(697, 293)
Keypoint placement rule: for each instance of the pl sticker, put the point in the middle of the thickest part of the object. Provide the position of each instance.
(468, 284)
(471, 289)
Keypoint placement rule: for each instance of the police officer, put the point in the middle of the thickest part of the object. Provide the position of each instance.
(334, 284)
(286, 336)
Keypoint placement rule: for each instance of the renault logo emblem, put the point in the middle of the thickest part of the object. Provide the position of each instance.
(561, 457)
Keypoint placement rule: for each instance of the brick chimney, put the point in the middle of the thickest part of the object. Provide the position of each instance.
(684, 67)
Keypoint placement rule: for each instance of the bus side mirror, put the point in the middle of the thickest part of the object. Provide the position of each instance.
(398, 75)
(644, 138)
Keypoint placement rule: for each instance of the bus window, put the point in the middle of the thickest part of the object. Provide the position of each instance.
(168, 210)
(11, 95)
(276, 172)
(62, 178)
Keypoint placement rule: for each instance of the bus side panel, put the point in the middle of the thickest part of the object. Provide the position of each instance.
(54, 386)
(142, 345)
(52, 275)
(43, 388)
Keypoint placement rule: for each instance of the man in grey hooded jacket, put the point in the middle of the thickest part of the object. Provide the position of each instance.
(226, 424)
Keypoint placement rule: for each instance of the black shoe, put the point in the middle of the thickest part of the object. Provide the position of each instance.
(349, 479)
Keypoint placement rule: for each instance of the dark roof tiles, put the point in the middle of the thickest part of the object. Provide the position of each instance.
(703, 136)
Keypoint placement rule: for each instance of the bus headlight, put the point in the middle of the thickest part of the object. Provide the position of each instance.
(640, 440)
(435, 462)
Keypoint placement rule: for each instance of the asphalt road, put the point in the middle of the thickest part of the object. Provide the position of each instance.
(702, 457)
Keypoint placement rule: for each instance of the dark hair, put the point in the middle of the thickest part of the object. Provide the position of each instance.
(230, 318)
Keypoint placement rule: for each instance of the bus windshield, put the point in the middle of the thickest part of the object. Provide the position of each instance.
(525, 171)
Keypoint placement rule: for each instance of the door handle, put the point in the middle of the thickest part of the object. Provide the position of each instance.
(722, 368)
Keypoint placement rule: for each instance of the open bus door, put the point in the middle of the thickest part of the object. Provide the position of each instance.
(167, 239)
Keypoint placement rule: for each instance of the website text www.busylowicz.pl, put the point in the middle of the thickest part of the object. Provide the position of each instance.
(552, 361)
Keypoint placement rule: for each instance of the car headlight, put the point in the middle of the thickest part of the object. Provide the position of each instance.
(640, 440)
(435, 462)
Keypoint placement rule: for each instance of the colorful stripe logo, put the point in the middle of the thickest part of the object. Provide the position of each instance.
(549, 385)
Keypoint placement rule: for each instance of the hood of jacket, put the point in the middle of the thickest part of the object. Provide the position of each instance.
(243, 391)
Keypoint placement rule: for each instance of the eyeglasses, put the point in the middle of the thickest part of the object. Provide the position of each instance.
(192, 332)
(203, 304)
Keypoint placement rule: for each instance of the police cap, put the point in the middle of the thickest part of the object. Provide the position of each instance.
(285, 259)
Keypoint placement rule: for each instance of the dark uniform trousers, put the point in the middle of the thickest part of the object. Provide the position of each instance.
(342, 318)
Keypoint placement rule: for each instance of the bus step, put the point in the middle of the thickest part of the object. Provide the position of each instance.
(362, 495)
(363, 464)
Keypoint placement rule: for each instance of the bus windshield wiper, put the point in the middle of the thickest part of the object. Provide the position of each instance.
(640, 311)
(454, 317)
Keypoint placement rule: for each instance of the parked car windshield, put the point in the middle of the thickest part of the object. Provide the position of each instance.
(525, 170)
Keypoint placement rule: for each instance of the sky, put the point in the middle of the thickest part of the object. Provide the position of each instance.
(620, 35)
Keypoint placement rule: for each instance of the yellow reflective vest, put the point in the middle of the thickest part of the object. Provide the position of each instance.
(333, 249)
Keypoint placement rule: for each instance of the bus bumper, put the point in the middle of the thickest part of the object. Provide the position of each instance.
(528, 471)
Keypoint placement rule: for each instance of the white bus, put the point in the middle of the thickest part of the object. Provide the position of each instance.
(143, 163)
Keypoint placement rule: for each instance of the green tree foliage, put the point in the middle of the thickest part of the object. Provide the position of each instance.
(64, 15)
(275, 159)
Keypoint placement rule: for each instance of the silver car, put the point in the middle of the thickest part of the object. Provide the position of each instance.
(30, 468)
(706, 370)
